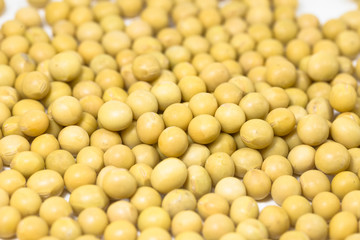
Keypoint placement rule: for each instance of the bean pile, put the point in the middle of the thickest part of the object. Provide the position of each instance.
(172, 119)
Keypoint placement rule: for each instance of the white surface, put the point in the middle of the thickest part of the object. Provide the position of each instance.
(326, 9)
(323, 9)
(11, 7)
